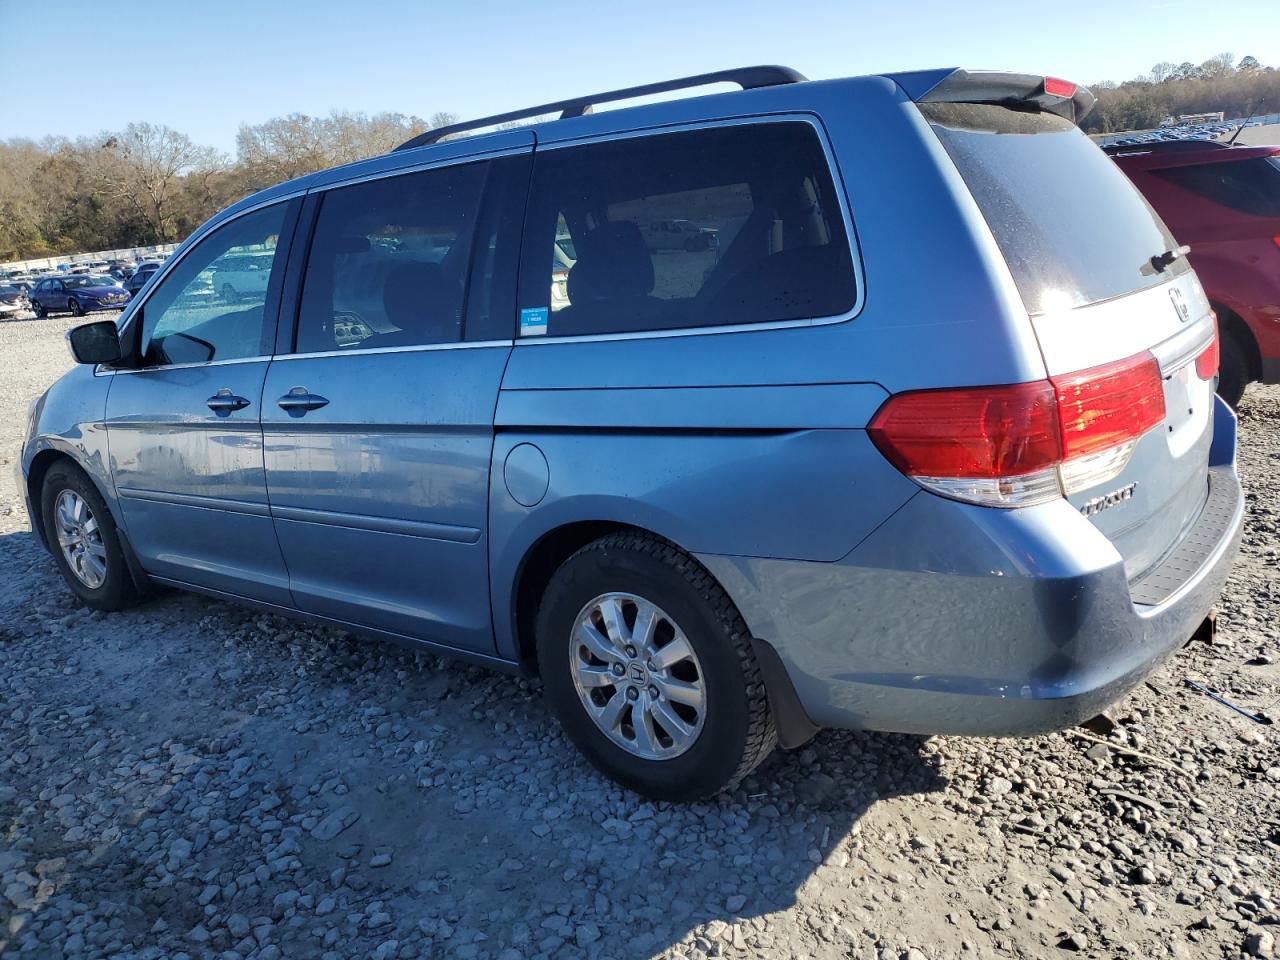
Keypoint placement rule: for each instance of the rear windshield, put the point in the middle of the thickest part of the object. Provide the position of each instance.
(1071, 226)
(1246, 186)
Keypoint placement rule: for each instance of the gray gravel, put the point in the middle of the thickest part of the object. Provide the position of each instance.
(196, 779)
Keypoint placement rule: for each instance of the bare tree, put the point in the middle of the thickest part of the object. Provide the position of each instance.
(1162, 71)
(143, 166)
(1218, 65)
(286, 147)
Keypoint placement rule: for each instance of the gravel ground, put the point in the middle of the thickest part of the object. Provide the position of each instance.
(196, 779)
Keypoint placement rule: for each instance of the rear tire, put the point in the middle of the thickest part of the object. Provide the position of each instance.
(1233, 369)
(716, 745)
(66, 485)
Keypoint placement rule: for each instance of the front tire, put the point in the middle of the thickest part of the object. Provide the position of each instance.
(74, 306)
(83, 539)
(38, 309)
(649, 668)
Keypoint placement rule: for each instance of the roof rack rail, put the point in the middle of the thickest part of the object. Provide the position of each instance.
(746, 77)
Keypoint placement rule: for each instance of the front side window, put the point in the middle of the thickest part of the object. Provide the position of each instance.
(389, 261)
(733, 225)
(190, 318)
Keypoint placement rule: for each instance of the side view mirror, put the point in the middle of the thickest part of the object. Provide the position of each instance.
(97, 342)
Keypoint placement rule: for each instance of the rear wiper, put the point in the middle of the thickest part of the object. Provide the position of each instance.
(1160, 262)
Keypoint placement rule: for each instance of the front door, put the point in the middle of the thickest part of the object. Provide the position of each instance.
(379, 422)
(183, 421)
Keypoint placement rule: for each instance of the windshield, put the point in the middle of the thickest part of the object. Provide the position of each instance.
(76, 283)
(1071, 226)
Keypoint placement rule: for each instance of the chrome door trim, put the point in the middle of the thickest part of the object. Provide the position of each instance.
(842, 196)
(415, 348)
(230, 361)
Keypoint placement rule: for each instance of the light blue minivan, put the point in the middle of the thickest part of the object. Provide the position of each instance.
(908, 423)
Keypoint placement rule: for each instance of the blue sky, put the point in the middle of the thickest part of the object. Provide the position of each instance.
(206, 67)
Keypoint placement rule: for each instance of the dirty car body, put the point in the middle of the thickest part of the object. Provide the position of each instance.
(926, 417)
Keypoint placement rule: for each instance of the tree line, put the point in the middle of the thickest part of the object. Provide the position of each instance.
(149, 183)
(1237, 88)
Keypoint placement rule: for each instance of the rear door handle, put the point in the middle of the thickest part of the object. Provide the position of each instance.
(225, 402)
(299, 400)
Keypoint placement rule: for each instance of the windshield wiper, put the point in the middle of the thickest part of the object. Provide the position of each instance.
(1160, 262)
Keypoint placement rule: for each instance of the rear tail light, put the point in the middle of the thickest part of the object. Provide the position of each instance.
(1207, 361)
(1017, 445)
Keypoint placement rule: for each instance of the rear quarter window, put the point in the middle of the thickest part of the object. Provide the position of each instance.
(738, 224)
(1070, 225)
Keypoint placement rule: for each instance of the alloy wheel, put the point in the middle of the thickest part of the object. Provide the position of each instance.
(80, 538)
(637, 676)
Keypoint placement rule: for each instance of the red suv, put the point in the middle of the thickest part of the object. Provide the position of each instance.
(1224, 202)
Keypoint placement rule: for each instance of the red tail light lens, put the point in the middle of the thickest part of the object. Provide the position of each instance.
(1059, 88)
(1207, 362)
(1024, 443)
(1105, 406)
(984, 432)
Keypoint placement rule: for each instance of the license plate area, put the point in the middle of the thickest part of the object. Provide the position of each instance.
(1188, 402)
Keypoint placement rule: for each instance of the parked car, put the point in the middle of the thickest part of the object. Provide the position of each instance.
(1224, 203)
(77, 295)
(13, 300)
(141, 275)
(716, 503)
(244, 277)
(20, 279)
(122, 269)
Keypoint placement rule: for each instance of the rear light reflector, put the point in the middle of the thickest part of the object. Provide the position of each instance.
(1027, 443)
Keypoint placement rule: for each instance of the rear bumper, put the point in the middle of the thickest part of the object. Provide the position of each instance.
(954, 619)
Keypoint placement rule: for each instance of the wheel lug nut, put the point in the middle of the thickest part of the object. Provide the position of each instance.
(653, 692)
(618, 670)
(631, 651)
(633, 693)
(652, 666)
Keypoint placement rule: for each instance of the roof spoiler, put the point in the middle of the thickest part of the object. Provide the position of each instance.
(1019, 90)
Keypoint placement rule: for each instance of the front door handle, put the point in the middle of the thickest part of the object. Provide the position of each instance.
(299, 400)
(225, 402)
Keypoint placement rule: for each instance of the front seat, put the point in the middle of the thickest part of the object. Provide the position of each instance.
(417, 299)
(610, 283)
